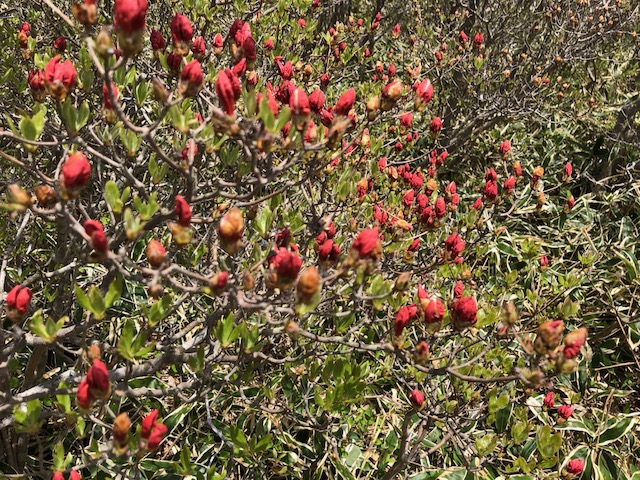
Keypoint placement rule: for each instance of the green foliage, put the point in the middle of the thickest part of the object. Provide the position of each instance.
(257, 375)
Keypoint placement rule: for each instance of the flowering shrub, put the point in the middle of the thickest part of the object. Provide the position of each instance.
(275, 240)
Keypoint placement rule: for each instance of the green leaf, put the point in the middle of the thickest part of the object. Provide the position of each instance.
(82, 115)
(283, 117)
(225, 331)
(486, 444)
(28, 129)
(64, 401)
(125, 343)
(159, 310)
(238, 438)
(507, 250)
(83, 300)
(548, 443)
(97, 302)
(616, 431)
(69, 116)
(112, 195)
(141, 92)
(58, 457)
(519, 432)
(114, 292)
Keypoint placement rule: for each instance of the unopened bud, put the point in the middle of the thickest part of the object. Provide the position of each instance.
(19, 196)
(46, 195)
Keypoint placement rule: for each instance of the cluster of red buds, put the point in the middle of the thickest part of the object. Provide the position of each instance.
(95, 386)
(365, 251)
(18, 300)
(548, 344)
(73, 475)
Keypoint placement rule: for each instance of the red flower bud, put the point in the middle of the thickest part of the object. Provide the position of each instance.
(505, 148)
(60, 78)
(157, 41)
(433, 310)
(155, 253)
(408, 198)
(316, 101)
(367, 244)
(509, 184)
(157, 434)
(18, 300)
(225, 91)
(464, 313)
(75, 171)
(183, 211)
(417, 399)
(285, 90)
(83, 395)
(436, 125)
(329, 251)
(191, 78)
(575, 466)
(324, 80)
(406, 120)
(424, 91)
(198, 47)
(98, 380)
(286, 70)
(463, 37)
(129, 16)
(299, 105)
(57, 476)
(403, 317)
(286, 264)
(565, 411)
(573, 342)
(174, 61)
(543, 261)
(440, 207)
(148, 422)
(268, 45)
(74, 475)
(454, 245)
(415, 245)
(99, 242)
(25, 28)
(568, 170)
(490, 190)
(240, 68)
(477, 205)
(218, 282)
(92, 226)
(60, 44)
(345, 103)
(326, 117)
(478, 39)
(181, 30)
(106, 99)
(37, 85)
(548, 401)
